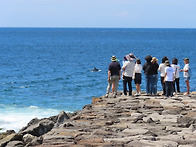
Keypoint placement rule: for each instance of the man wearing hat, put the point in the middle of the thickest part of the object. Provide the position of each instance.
(114, 72)
(128, 69)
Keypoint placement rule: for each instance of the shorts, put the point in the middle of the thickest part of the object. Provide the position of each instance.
(138, 78)
(186, 78)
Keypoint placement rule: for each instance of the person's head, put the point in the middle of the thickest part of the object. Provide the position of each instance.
(125, 59)
(164, 59)
(175, 61)
(148, 58)
(186, 60)
(130, 57)
(154, 60)
(167, 63)
(113, 58)
(138, 61)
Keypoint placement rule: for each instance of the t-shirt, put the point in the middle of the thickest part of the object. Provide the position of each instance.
(129, 68)
(170, 73)
(162, 69)
(187, 74)
(138, 68)
(155, 68)
(176, 70)
(114, 68)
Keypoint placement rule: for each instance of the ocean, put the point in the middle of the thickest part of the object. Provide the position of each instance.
(46, 70)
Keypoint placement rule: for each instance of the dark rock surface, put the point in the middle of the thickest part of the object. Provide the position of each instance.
(122, 121)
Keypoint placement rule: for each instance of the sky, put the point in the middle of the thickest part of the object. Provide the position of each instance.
(98, 13)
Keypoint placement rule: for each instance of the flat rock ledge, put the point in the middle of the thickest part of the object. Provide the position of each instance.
(125, 121)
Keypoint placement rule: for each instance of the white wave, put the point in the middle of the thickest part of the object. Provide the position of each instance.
(12, 118)
(34, 107)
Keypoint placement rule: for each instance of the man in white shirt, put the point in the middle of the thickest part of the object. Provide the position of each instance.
(169, 78)
(128, 69)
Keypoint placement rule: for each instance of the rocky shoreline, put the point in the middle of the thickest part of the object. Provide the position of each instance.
(122, 121)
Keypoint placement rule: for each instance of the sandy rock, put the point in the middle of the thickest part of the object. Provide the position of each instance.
(133, 132)
(96, 99)
(15, 144)
(5, 140)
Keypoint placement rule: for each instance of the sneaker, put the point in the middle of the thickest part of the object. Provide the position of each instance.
(124, 94)
(114, 96)
(186, 93)
(148, 94)
(137, 94)
(106, 96)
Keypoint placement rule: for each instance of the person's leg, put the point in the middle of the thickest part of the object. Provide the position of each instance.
(167, 89)
(188, 86)
(164, 89)
(125, 85)
(151, 83)
(171, 88)
(113, 85)
(109, 86)
(147, 84)
(137, 88)
(163, 85)
(136, 83)
(156, 81)
(178, 84)
(139, 82)
(130, 85)
(174, 83)
(116, 82)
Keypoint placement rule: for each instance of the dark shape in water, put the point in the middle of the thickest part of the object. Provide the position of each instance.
(95, 69)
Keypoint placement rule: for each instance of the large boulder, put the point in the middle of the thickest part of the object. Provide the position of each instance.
(39, 128)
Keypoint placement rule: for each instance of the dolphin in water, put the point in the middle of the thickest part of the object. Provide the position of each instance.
(95, 69)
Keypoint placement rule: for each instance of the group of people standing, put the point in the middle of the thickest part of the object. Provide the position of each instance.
(132, 69)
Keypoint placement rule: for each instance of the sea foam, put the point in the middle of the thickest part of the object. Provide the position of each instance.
(14, 118)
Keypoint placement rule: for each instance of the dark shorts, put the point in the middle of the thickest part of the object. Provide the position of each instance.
(138, 78)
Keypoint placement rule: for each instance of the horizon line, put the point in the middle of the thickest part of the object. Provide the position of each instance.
(107, 27)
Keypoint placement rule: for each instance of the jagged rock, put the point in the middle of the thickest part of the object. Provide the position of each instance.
(62, 117)
(32, 122)
(39, 128)
(36, 141)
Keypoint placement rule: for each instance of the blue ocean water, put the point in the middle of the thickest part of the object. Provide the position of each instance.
(46, 70)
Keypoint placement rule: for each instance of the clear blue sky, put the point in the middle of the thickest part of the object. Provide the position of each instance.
(98, 13)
